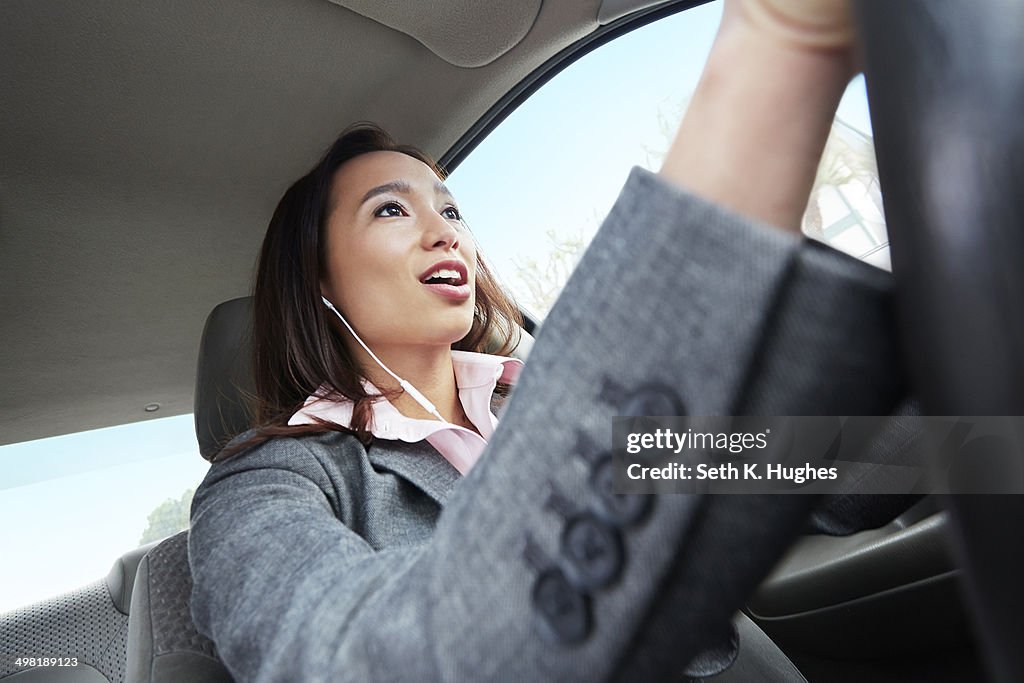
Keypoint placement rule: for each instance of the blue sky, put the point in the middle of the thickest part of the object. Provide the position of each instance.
(72, 504)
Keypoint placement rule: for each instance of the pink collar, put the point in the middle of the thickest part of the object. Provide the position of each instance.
(476, 375)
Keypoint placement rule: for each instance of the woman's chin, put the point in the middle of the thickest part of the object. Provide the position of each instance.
(444, 329)
(447, 336)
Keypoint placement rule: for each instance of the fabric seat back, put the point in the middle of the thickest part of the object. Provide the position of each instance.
(163, 644)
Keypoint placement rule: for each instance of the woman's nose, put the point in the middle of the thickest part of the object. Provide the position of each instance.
(441, 234)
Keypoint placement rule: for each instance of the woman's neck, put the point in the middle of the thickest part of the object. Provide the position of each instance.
(430, 370)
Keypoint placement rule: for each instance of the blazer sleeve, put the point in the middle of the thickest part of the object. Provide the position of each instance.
(534, 571)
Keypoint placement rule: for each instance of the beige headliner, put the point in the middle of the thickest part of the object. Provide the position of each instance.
(143, 146)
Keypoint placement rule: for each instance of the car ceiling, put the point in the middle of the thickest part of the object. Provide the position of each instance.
(144, 145)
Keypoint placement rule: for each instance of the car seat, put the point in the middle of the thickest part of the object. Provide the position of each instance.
(163, 644)
(89, 624)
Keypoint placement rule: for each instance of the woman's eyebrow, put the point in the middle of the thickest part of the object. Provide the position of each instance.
(440, 188)
(402, 187)
(396, 186)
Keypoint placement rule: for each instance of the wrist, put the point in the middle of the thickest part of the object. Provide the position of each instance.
(753, 134)
(807, 25)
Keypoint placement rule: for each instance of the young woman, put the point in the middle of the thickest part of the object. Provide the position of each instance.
(370, 297)
(390, 545)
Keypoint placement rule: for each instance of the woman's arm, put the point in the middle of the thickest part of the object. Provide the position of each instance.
(754, 132)
(279, 583)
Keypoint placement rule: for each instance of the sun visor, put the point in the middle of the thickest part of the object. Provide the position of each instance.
(465, 33)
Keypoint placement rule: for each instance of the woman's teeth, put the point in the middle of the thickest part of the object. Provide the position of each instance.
(444, 274)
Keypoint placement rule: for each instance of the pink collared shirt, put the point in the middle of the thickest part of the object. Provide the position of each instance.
(476, 375)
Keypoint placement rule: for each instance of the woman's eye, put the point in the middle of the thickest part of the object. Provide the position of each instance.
(452, 213)
(389, 210)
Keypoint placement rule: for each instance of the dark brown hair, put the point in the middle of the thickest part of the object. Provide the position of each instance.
(297, 345)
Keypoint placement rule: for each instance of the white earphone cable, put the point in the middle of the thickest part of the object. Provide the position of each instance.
(408, 387)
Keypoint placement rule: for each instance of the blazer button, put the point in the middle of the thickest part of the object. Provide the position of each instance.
(594, 551)
(652, 399)
(622, 509)
(564, 612)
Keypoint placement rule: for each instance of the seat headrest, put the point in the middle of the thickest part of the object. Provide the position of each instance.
(224, 376)
(121, 577)
(224, 382)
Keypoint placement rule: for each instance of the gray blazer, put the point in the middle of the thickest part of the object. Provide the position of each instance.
(316, 559)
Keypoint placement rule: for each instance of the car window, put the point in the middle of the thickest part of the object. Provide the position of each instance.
(73, 504)
(536, 189)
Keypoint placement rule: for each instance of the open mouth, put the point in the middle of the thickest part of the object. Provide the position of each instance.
(448, 279)
(445, 276)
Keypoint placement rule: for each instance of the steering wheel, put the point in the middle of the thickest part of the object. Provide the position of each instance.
(945, 84)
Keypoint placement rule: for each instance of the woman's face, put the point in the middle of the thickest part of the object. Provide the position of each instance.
(401, 266)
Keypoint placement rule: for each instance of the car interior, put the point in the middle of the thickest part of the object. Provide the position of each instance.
(144, 146)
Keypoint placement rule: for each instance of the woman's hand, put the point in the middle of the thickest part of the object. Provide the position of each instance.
(756, 126)
(810, 24)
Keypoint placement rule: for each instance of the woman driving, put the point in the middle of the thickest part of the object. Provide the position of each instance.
(379, 525)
